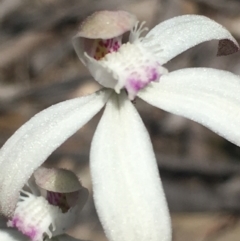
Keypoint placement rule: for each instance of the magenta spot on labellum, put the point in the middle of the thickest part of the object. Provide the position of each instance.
(154, 75)
(31, 232)
(136, 84)
(14, 222)
(139, 80)
(151, 74)
(18, 222)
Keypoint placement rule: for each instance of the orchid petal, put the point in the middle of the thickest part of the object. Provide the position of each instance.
(8, 234)
(29, 147)
(174, 36)
(208, 96)
(127, 189)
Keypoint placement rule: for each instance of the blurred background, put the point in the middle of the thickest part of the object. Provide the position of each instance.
(38, 68)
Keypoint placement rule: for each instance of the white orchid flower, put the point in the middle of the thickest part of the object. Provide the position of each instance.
(52, 207)
(127, 189)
